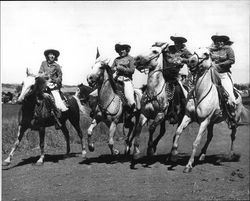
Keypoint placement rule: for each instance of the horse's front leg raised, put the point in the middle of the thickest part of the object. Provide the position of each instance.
(203, 127)
(41, 136)
(174, 153)
(90, 132)
(20, 134)
(112, 130)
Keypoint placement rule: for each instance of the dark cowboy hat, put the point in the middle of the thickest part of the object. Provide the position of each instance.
(121, 46)
(223, 38)
(178, 39)
(55, 52)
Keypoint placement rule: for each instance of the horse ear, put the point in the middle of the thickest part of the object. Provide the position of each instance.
(106, 61)
(164, 47)
(27, 71)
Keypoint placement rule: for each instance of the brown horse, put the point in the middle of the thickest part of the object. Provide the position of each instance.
(32, 87)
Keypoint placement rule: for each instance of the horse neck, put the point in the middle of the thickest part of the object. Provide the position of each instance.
(203, 83)
(156, 80)
(105, 91)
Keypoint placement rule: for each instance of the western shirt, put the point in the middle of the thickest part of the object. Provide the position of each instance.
(124, 66)
(52, 71)
(223, 57)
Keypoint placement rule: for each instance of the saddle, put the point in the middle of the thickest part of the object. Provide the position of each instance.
(120, 91)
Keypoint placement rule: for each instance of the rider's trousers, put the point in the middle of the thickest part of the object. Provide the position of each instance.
(227, 83)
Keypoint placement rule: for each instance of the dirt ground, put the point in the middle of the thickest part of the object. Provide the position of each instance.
(103, 177)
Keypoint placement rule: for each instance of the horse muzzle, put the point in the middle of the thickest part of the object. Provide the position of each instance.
(91, 81)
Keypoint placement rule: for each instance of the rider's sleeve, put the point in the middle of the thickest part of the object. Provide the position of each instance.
(113, 67)
(42, 68)
(186, 55)
(131, 67)
(230, 58)
(58, 79)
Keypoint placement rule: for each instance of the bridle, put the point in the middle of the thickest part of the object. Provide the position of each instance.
(144, 70)
(200, 61)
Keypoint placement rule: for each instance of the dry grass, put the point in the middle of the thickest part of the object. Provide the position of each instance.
(53, 138)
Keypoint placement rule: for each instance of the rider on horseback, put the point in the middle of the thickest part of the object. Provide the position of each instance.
(124, 68)
(223, 57)
(53, 74)
(174, 58)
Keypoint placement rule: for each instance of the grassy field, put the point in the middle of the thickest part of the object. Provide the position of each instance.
(53, 138)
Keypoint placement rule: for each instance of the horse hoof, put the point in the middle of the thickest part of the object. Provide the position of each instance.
(150, 152)
(202, 157)
(91, 148)
(127, 152)
(38, 163)
(5, 163)
(116, 152)
(187, 170)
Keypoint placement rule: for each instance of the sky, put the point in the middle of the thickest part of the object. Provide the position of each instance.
(77, 28)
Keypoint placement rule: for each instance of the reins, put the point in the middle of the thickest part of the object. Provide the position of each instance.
(105, 108)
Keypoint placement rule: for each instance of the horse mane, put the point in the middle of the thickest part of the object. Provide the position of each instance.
(111, 79)
(40, 84)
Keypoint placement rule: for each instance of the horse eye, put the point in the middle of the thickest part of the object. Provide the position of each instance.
(155, 51)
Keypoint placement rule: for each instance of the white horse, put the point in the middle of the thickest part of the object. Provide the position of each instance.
(205, 108)
(110, 104)
(156, 98)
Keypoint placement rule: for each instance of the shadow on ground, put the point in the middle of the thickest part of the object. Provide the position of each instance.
(146, 161)
(48, 158)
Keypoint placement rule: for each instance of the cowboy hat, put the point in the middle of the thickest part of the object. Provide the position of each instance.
(55, 52)
(176, 38)
(120, 46)
(223, 38)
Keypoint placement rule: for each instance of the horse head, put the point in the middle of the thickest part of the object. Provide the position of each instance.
(151, 59)
(27, 84)
(200, 60)
(95, 77)
(31, 83)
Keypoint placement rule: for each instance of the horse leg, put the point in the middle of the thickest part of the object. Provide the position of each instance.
(174, 153)
(65, 132)
(196, 143)
(76, 125)
(41, 136)
(90, 131)
(162, 132)
(137, 132)
(20, 134)
(233, 134)
(112, 130)
(209, 138)
(128, 141)
(152, 127)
